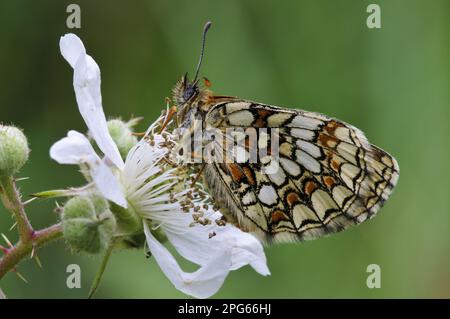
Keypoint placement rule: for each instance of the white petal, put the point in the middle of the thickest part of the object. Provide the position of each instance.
(73, 149)
(246, 250)
(107, 183)
(76, 149)
(86, 82)
(202, 283)
(196, 246)
(71, 48)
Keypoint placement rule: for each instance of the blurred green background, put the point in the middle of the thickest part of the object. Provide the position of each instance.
(392, 82)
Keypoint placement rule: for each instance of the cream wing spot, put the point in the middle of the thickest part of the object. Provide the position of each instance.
(302, 212)
(302, 133)
(377, 166)
(348, 152)
(257, 216)
(387, 161)
(241, 118)
(267, 195)
(348, 173)
(272, 167)
(278, 119)
(343, 134)
(310, 148)
(278, 178)
(291, 167)
(322, 202)
(341, 193)
(307, 161)
(237, 106)
(286, 149)
(330, 142)
(301, 121)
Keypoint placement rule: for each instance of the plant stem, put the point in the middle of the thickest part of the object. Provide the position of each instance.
(2, 295)
(99, 275)
(11, 199)
(23, 249)
(29, 239)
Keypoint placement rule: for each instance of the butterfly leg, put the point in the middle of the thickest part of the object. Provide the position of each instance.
(170, 113)
(197, 177)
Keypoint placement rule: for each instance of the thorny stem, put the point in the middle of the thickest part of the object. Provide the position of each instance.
(29, 239)
(23, 248)
(11, 199)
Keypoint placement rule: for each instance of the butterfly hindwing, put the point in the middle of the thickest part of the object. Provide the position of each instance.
(329, 176)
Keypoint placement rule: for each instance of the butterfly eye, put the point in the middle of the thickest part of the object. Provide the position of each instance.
(190, 91)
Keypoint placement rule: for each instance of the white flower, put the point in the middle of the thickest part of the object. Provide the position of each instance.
(149, 188)
(228, 250)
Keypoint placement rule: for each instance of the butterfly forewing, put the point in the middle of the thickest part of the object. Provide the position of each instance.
(329, 176)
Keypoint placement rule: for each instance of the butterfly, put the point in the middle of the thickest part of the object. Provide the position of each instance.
(328, 176)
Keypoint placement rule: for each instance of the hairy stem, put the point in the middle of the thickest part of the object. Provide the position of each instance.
(23, 249)
(99, 275)
(10, 197)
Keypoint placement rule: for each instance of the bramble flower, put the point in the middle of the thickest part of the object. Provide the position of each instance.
(148, 194)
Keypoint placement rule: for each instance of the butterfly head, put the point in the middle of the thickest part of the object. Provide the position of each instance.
(185, 91)
(186, 95)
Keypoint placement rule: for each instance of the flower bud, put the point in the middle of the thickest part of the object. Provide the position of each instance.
(78, 207)
(13, 150)
(100, 203)
(84, 227)
(122, 136)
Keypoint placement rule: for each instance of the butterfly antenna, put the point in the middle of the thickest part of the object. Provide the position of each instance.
(205, 30)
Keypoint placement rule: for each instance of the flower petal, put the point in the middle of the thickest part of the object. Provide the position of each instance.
(107, 183)
(202, 283)
(86, 82)
(76, 149)
(73, 149)
(71, 48)
(195, 245)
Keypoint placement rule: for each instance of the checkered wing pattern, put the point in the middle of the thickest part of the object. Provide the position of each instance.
(329, 176)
